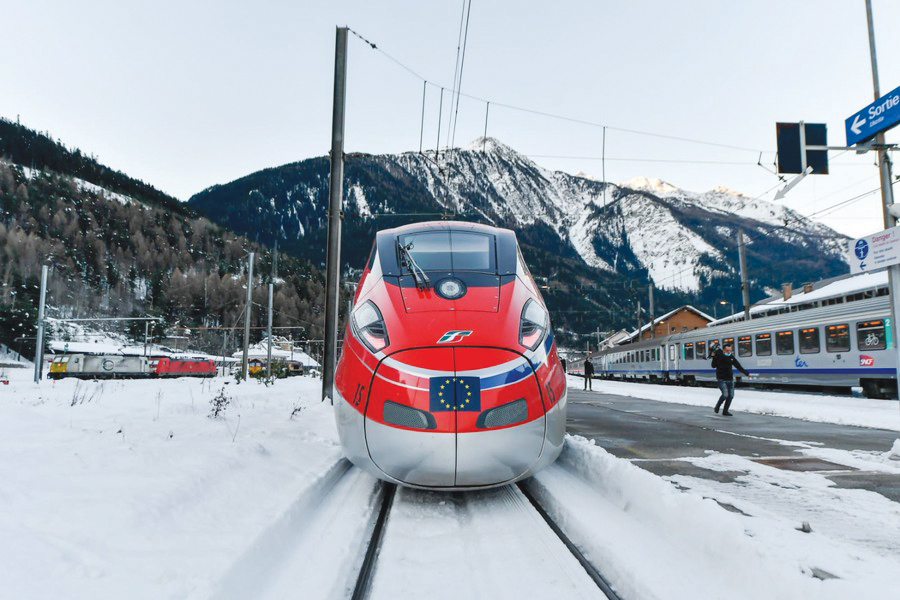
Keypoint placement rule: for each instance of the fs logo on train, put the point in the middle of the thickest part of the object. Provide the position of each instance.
(453, 336)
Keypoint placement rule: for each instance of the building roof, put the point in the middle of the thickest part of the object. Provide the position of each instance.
(636, 334)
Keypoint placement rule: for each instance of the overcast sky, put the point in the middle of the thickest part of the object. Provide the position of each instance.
(188, 94)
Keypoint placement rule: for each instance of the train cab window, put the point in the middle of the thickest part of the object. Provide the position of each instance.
(837, 338)
(809, 340)
(745, 345)
(764, 344)
(784, 342)
(451, 251)
(689, 351)
(870, 335)
(701, 349)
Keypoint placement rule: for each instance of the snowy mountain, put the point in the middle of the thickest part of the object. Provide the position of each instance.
(645, 229)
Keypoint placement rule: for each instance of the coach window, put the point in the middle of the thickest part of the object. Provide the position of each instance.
(713, 344)
(809, 340)
(689, 351)
(870, 335)
(784, 342)
(837, 338)
(745, 346)
(764, 344)
(701, 349)
(728, 342)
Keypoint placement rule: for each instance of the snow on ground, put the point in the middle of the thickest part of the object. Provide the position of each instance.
(131, 489)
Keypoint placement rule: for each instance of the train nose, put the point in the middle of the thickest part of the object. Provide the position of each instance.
(443, 417)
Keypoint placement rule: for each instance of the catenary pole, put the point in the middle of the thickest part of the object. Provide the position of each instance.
(745, 286)
(39, 345)
(245, 364)
(652, 314)
(335, 214)
(887, 196)
(269, 334)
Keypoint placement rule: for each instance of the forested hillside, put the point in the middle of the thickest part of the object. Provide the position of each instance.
(117, 255)
(39, 151)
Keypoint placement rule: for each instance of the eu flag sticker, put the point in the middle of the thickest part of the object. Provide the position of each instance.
(455, 393)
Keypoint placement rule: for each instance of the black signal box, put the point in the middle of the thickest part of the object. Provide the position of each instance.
(791, 148)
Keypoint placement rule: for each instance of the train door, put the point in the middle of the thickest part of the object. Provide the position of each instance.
(674, 358)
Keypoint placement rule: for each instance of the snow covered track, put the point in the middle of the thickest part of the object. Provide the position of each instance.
(297, 556)
(363, 582)
(591, 570)
(487, 544)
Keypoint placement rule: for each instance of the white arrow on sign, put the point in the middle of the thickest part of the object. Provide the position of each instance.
(783, 191)
(858, 122)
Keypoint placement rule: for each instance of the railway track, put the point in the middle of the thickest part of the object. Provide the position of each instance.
(351, 536)
(539, 551)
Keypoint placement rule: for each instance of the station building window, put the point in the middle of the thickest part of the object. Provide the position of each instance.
(809, 340)
(745, 345)
(870, 335)
(764, 344)
(784, 342)
(837, 338)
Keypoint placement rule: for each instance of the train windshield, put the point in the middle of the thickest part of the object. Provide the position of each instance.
(451, 251)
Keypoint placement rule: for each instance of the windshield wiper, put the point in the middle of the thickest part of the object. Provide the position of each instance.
(422, 281)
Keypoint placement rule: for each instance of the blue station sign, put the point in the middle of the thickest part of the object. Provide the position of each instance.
(882, 114)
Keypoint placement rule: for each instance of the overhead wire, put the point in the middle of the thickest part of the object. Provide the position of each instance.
(548, 114)
(457, 93)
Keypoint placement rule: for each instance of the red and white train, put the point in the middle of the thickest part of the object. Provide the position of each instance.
(449, 376)
(117, 366)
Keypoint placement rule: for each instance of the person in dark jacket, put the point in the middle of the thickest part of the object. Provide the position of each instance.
(588, 371)
(723, 361)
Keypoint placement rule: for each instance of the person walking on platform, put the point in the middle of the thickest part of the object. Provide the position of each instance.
(588, 371)
(723, 360)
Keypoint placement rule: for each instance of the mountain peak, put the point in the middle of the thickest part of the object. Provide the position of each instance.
(721, 189)
(652, 185)
(490, 145)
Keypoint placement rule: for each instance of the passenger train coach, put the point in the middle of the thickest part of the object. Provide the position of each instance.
(841, 345)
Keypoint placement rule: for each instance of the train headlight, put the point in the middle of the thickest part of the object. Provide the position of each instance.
(369, 327)
(533, 326)
(451, 288)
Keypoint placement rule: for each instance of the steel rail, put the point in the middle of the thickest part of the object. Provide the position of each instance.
(592, 571)
(364, 580)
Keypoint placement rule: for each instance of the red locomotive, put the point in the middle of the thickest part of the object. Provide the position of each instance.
(449, 376)
(177, 367)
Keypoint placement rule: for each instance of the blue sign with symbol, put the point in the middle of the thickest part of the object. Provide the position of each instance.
(882, 114)
(861, 249)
